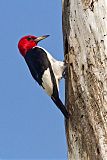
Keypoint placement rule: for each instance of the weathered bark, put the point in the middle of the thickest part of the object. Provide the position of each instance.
(85, 44)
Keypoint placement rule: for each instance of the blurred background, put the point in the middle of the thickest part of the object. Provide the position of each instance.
(31, 126)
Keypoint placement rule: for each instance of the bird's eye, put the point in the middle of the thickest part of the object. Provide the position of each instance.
(29, 38)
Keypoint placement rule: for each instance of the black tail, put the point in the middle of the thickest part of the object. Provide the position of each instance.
(60, 105)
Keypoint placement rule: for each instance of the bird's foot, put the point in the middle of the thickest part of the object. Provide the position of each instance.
(64, 74)
(66, 58)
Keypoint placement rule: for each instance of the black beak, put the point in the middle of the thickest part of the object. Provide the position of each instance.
(41, 38)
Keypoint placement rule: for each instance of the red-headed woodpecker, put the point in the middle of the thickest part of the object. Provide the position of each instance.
(46, 70)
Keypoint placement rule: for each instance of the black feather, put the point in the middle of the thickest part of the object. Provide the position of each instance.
(60, 105)
(38, 62)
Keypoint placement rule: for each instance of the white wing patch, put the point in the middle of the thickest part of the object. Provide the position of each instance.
(57, 67)
(47, 82)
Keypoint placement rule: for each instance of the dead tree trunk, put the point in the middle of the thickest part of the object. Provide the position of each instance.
(85, 44)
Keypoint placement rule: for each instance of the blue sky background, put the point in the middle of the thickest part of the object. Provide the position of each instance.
(31, 127)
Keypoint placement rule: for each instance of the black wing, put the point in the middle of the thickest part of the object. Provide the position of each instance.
(38, 62)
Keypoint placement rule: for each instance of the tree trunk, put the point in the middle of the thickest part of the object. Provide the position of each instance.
(85, 45)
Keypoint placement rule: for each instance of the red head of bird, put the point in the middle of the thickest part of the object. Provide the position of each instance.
(28, 42)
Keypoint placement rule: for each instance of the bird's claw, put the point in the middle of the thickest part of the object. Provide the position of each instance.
(64, 74)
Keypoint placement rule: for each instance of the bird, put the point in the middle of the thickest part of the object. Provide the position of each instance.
(46, 70)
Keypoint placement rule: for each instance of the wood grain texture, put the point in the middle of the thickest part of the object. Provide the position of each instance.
(85, 45)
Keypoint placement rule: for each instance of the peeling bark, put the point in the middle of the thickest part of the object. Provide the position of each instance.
(85, 45)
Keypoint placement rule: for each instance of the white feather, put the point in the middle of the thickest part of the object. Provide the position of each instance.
(57, 67)
(47, 82)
